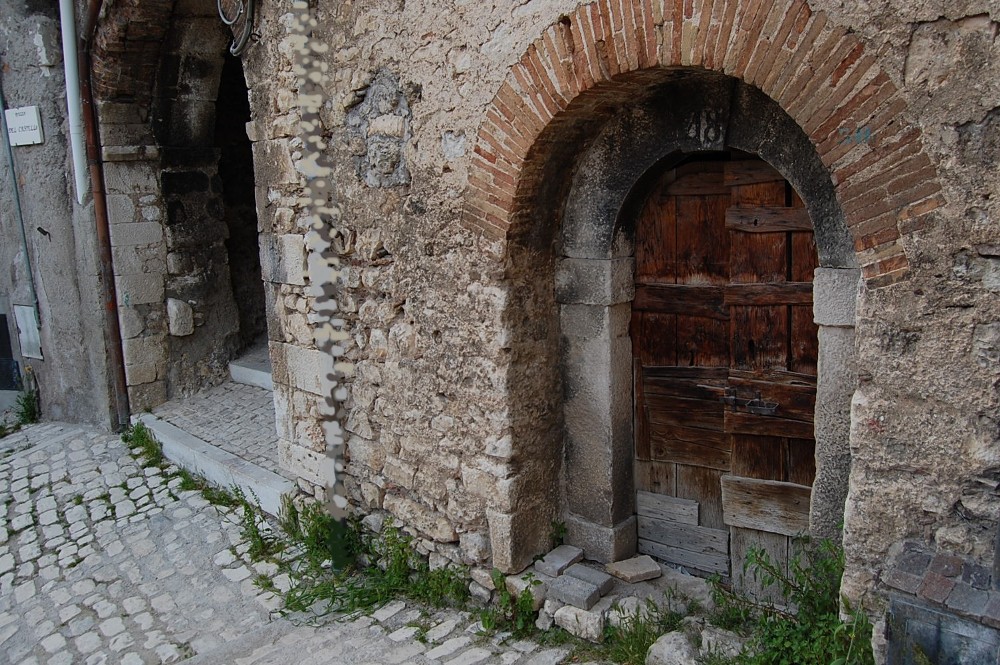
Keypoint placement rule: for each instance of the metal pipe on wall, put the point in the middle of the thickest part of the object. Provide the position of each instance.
(67, 23)
(112, 331)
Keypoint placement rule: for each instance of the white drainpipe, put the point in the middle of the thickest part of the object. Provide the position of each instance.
(73, 104)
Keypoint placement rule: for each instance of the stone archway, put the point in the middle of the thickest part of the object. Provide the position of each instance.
(570, 83)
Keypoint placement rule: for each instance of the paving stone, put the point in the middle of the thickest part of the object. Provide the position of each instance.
(548, 657)
(602, 581)
(558, 560)
(636, 569)
(574, 591)
(448, 647)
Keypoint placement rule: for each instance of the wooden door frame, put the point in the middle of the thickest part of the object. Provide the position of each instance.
(594, 288)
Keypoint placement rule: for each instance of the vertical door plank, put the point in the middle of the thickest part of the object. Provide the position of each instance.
(801, 461)
(741, 541)
(760, 457)
(655, 238)
(658, 477)
(702, 485)
(702, 240)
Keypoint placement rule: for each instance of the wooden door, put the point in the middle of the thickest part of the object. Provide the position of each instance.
(725, 351)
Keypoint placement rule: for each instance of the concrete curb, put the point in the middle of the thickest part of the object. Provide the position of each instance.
(218, 466)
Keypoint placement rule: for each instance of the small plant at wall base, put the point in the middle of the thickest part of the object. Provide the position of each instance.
(509, 612)
(26, 410)
(815, 634)
(629, 641)
(143, 444)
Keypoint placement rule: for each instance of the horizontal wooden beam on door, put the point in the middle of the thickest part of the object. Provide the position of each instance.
(766, 505)
(767, 219)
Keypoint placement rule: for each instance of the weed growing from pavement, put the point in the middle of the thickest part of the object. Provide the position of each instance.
(814, 634)
(143, 444)
(510, 612)
(629, 641)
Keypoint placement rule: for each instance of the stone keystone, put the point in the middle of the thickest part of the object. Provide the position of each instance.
(574, 591)
(602, 581)
(636, 569)
(558, 560)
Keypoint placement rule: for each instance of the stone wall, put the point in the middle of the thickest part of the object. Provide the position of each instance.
(456, 423)
(441, 388)
(73, 377)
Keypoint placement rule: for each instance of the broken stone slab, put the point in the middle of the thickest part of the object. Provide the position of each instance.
(555, 562)
(574, 591)
(581, 623)
(682, 589)
(536, 583)
(636, 569)
(672, 649)
(602, 581)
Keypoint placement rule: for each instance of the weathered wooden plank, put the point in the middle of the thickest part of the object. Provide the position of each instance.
(714, 563)
(778, 293)
(675, 412)
(749, 172)
(658, 477)
(684, 536)
(670, 508)
(665, 446)
(748, 582)
(739, 422)
(767, 219)
(697, 179)
(796, 401)
(765, 505)
(702, 240)
(706, 301)
(655, 238)
(761, 457)
(775, 376)
(687, 373)
(801, 461)
(708, 387)
(654, 337)
(702, 485)
(702, 341)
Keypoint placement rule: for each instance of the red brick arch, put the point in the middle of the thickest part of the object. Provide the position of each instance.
(819, 73)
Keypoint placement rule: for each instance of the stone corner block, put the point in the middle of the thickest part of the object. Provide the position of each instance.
(595, 281)
(558, 560)
(603, 543)
(835, 296)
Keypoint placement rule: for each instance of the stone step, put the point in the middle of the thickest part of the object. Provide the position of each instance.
(253, 368)
(218, 466)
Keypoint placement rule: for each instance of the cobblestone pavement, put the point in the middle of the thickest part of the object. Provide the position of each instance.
(102, 561)
(235, 417)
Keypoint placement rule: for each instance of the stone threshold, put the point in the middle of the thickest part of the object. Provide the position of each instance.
(218, 466)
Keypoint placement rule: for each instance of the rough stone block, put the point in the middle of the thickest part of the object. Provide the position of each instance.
(602, 543)
(636, 569)
(180, 318)
(595, 281)
(139, 350)
(967, 600)
(421, 517)
(283, 258)
(121, 209)
(602, 581)
(835, 296)
(536, 583)
(574, 591)
(585, 625)
(672, 649)
(936, 587)
(558, 560)
(304, 463)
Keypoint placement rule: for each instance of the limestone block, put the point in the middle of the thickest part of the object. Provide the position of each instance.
(283, 258)
(131, 178)
(180, 318)
(585, 625)
(672, 649)
(422, 518)
(574, 591)
(594, 321)
(304, 463)
(602, 581)
(636, 569)
(130, 322)
(121, 209)
(555, 562)
(517, 537)
(475, 545)
(835, 292)
(140, 373)
(595, 281)
(602, 543)
(367, 453)
(139, 350)
(138, 233)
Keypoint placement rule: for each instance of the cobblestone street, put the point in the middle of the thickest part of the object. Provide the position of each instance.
(103, 561)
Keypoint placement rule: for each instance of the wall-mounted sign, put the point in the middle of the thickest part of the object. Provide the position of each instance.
(24, 126)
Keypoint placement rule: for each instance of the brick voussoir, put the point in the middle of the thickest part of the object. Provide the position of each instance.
(819, 82)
